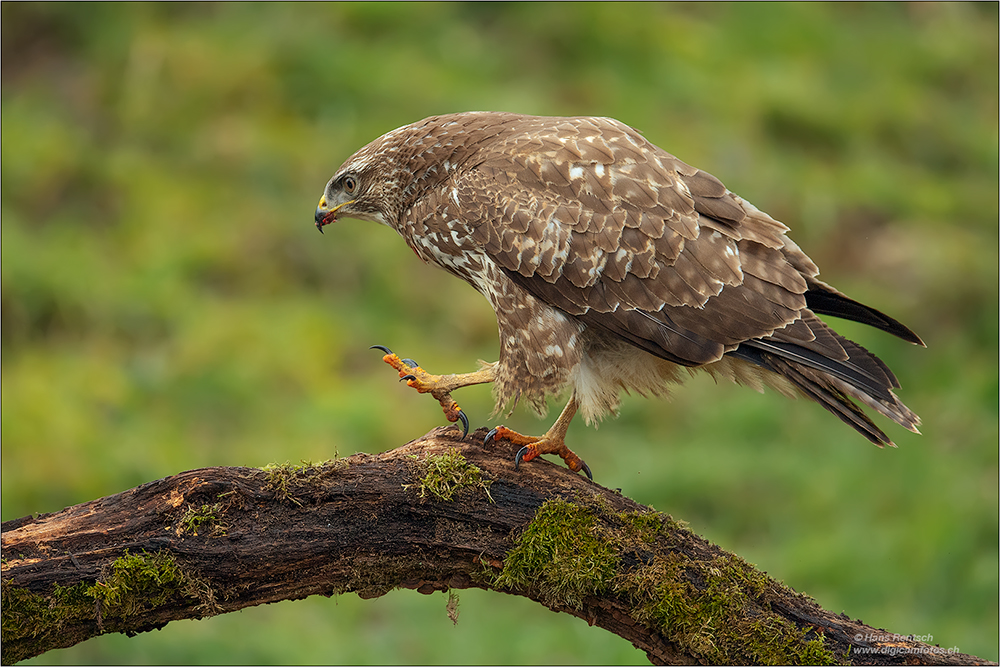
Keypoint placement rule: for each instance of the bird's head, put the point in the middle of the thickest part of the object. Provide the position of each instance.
(370, 185)
(352, 193)
(341, 192)
(383, 179)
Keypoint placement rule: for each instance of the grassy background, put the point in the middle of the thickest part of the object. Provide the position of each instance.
(167, 303)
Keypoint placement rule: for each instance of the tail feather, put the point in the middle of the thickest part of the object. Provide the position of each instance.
(848, 371)
(833, 381)
(832, 399)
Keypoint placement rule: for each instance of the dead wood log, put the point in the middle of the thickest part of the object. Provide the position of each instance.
(436, 514)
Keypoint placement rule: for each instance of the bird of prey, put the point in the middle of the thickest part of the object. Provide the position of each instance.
(612, 265)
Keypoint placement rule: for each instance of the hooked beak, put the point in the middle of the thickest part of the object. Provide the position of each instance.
(326, 215)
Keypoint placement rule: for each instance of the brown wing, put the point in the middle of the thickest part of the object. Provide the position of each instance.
(591, 218)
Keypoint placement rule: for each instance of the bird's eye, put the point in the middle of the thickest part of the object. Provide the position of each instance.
(350, 184)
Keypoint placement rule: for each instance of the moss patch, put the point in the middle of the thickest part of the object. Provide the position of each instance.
(643, 527)
(562, 554)
(703, 607)
(207, 518)
(134, 583)
(27, 614)
(280, 476)
(137, 582)
(447, 474)
(718, 609)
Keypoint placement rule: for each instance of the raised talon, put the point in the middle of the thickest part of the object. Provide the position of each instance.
(426, 383)
(438, 386)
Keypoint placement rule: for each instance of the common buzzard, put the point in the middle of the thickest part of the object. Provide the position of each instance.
(611, 265)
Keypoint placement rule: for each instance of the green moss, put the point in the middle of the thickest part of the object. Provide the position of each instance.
(447, 474)
(643, 526)
(136, 582)
(570, 551)
(207, 516)
(281, 475)
(26, 614)
(133, 583)
(703, 607)
(562, 555)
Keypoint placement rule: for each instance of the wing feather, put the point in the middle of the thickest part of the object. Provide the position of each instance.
(643, 238)
(589, 217)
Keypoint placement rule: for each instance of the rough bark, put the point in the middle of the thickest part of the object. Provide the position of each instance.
(216, 540)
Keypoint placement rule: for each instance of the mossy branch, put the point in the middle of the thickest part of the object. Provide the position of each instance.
(434, 515)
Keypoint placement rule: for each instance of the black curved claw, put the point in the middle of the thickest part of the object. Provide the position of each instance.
(465, 423)
(520, 455)
(381, 347)
(524, 450)
(408, 377)
(489, 437)
(410, 362)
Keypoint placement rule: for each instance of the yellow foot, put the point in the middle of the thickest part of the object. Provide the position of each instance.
(438, 386)
(550, 443)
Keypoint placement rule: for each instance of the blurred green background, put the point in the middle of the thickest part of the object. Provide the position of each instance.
(168, 304)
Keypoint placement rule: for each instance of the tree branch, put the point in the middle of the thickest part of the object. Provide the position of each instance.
(435, 514)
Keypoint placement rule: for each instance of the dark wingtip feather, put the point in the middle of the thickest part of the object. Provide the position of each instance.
(824, 300)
